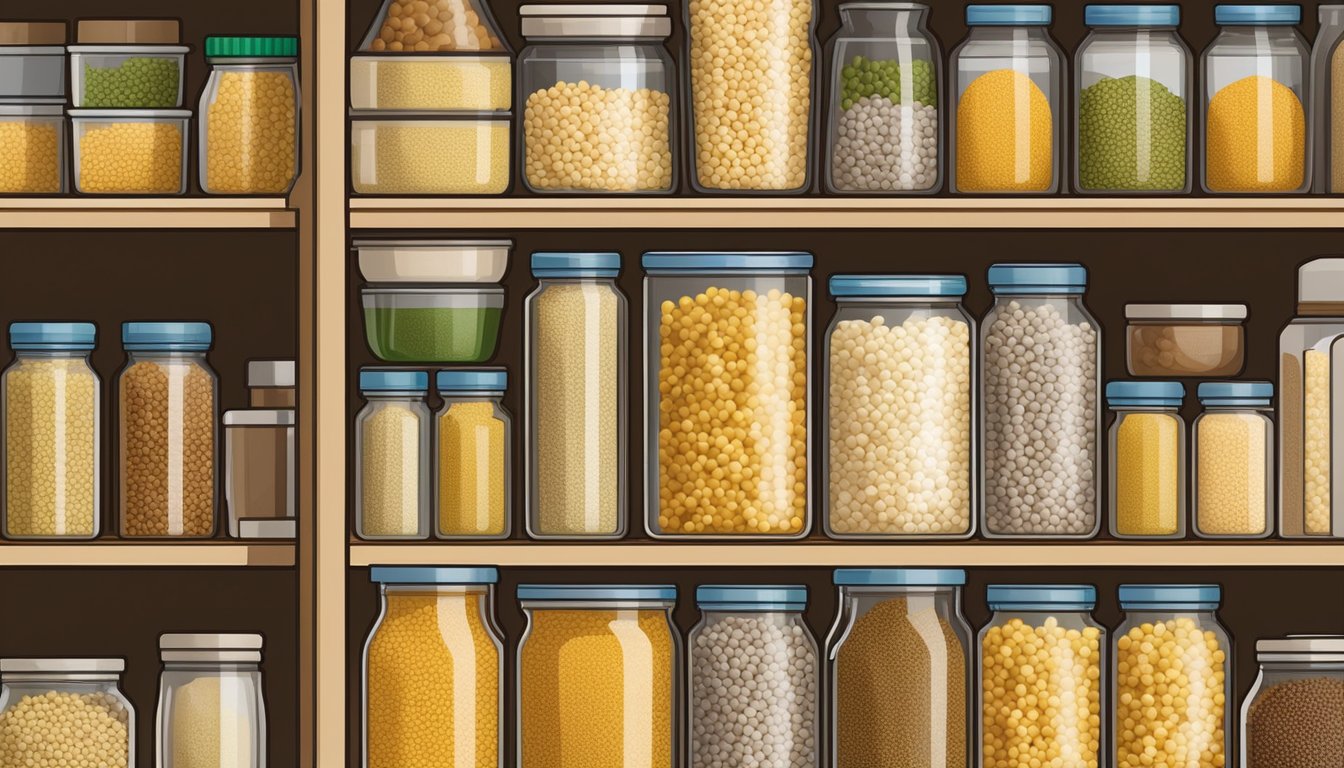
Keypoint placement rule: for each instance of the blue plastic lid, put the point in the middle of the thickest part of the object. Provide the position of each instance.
(378, 380)
(576, 264)
(1041, 597)
(1132, 15)
(1037, 278)
(898, 285)
(1257, 14)
(189, 337)
(383, 574)
(1235, 392)
(600, 594)
(755, 597)
(473, 380)
(1007, 15)
(53, 336)
(696, 261)
(1145, 393)
(900, 577)
(1170, 596)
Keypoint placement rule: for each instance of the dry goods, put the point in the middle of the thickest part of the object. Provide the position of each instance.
(1232, 475)
(886, 140)
(252, 133)
(131, 158)
(1336, 139)
(139, 82)
(1148, 489)
(1131, 136)
(1316, 441)
(452, 157)
(585, 136)
(1005, 135)
(434, 25)
(67, 730)
(472, 84)
(472, 457)
(51, 449)
(1296, 723)
(390, 472)
(1256, 137)
(1185, 350)
(211, 724)
(30, 157)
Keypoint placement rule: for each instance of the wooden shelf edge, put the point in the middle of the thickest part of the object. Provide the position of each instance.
(210, 554)
(147, 213)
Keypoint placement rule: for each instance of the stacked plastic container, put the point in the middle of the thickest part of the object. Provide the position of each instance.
(32, 112)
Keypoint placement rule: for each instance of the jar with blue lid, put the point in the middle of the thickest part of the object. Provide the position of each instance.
(899, 372)
(1146, 446)
(392, 448)
(473, 447)
(728, 344)
(1234, 460)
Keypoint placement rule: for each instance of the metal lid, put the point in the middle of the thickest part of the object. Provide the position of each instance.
(1014, 279)
(1041, 597)
(270, 373)
(33, 33)
(1185, 311)
(52, 336)
(1173, 597)
(900, 577)
(1132, 15)
(154, 336)
(1168, 394)
(260, 417)
(1257, 14)
(599, 594)
(1321, 280)
(376, 380)
(473, 380)
(129, 31)
(382, 574)
(1008, 15)
(217, 648)
(277, 47)
(748, 261)
(584, 21)
(1235, 392)
(576, 264)
(63, 666)
(1306, 648)
(898, 286)
(756, 597)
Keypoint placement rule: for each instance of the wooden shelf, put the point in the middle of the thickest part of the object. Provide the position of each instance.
(202, 554)
(146, 213)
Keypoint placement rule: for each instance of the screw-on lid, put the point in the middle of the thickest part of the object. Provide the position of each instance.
(382, 574)
(279, 47)
(52, 336)
(714, 261)
(270, 373)
(1132, 15)
(129, 32)
(1041, 597)
(381, 380)
(63, 666)
(260, 417)
(1257, 14)
(576, 264)
(742, 597)
(149, 337)
(580, 593)
(1185, 311)
(217, 648)
(1157, 394)
(1007, 15)
(1321, 280)
(33, 33)
(900, 577)
(1173, 597)
(597, 21)
(898, 286)
(473, 380)
(1235, 392)
(1303, 648)
(1012, 279)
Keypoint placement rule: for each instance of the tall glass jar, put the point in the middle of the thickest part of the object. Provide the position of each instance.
(728, 344)
(1233, 485)
(899, 391)
(211, 705)
(1255, 91)
(885, 133)
(575, 352)
(1008, 94)
(1041, 444)
(473, 495)
(597, 99)
(1132, 105)
(168, 401)
(1327, 94)
(53, 432)
(598, 677)
(1291, 715)
(899, 661)
(434, 670)
(38, 699)
(250, 116)
(392, 449)
(1147, 466)
(760, 628)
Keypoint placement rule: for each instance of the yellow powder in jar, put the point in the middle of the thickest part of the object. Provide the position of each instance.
(390, 473)
(1232, 475)
(1147, 475)
(211, 723)
(1255, 137)
(252, 134)
(131, 158)
(473, 84)
(472, 455)
(1005, 135)
(51, 449)
(30, 157)
(1316, 441)
(448, 157)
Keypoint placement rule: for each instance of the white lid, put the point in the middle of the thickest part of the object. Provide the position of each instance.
(211, 647)
(260, 417)
(1185, 311)
(63, 666)
(1321, 280)
(1301, 648)
(270, 373)
(595, 21)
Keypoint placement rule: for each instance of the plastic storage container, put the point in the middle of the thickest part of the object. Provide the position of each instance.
(1255, 91)
(53, 433)
(32, 61)
(433, 325)
(1327, 94)
(900, 360)
(598, 677)
(1041, 475)
(127, 64)
(1008, 85)
(422, 153)
(130, 151)
(434, 670)
(32, 149)
(1233, 481)
(728, 345)
(250, 116)
(885, 135)
(597, 99)
(167, 412)
(212, 710)
(1291, 715)
(1147, 459)
(433, 261)
(270, 384)
(899, 660)
(393, 450)
(1133, 104)
(473, 495)
(40, 697)
(1185, 339)
(259, 458)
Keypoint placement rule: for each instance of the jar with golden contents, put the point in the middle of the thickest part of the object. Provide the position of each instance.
(392, 448)
(433, 671)
(728, 339)
(473, 497)
(1147, 459)
(65, 712)
(1233, 452)
(250, 116)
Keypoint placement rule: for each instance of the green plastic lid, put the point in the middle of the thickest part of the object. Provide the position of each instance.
(251, 47)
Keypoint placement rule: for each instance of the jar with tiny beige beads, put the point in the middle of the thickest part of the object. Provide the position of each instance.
(393, 453)
(1233, 477)
(250, 116)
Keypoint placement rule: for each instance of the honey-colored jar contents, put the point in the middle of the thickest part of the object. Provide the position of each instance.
(472, 457)
(1148, 488)
(1232, 475)
(51, 449)
(251, 134)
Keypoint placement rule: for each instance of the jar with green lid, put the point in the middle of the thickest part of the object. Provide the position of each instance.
(250, 116)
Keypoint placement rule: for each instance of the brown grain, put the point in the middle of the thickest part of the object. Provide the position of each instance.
(1297, 724)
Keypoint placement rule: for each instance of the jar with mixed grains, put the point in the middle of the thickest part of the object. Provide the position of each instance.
(250, 116)
(474, 439)
(392, 448)
(65, 712)
(1291, 716)
(1233, 476)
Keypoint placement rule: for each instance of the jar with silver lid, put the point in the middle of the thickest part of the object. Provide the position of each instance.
(211, 708)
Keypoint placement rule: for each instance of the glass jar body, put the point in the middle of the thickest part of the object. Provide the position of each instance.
(32, 707)
(1147, 473)
(392, 446)
(1301, 698)
(1310, 351)
(211, 714)
(1327, 94)
(1233, 486)
(474, 497)
(250, 127)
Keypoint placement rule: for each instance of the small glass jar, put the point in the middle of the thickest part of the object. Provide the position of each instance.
(885, 133)
(53, 433)
(761, 628)
(575, 352)
(41, 697)
(1327, 93)
(899, 665)
(167, 406)
(1234, 460)
(392, 447)
(473, 496)
(1147, 468)
(596, 99)
(899, 376)
(211, 707)
(1255, 91)
(1008, 93)
(33, 138)
(598, 677)
(1031, 622)
(434, 670)
(1041, 445)
(1291, 715)
(728, 345)
(250, 116)
(1185, 339)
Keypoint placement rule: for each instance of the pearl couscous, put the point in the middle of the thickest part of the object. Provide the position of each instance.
(1317, 433)
(251, 134)
(450, 157)
(30, 156)
(131, 157)
(583, 136)
(66, 730)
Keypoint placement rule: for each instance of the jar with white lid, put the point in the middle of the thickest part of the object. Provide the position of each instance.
(212, 711)
(392, 448)
(1233, 447)
(1185, 339)
(1146, 444)
(43, 701)
(1291, 716)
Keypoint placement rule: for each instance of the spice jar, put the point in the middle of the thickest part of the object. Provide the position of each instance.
(597, 677)
(1147, 466)
(66, 711)
(211, 708)
(1041, 441)
(575, 352)
(1234, 460)
(1291, 716)
(1031, 622)
(53, 433)
(473, 497)
(167, 398)
(259, 457)
(270, 384)
(773, 722)
(250, 116)
(728, 340)
(433, 670)
(900, 669)
(1327, 88)
(1185, 339)
(393, 450)
(899, 363)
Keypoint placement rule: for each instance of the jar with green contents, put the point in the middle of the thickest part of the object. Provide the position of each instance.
(433, 325)
(1147, 466)
(128, 64)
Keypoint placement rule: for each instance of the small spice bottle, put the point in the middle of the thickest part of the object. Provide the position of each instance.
(211, 707)
(40, 698)
(250, 116)
(259, 459)
(473, 497)
(1291, 716)
(1147, 467)
(270, 384)
(393, 450)
(1234, 460)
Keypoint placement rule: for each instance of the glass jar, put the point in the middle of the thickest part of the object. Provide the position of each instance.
(1132, 107)
(1031, 622)
(597, 99)
(1008, 94)
(900, 669)
(1147, 467)
(250, 116)
(1291, 716)
(1171, 648)
(40, 697)
(575, 352)
(33, 137)
(392, 447)
(434, 670)
(597, 677)
(760, 628)
(168, 398)
(1041, 474)
(1327, 93)
(885, 135)
(211, 707)
(900, 426)
(1185, 339)
(1234, 460)
(728, 344)
(53, 433)
(473, 496)
(1255, 88)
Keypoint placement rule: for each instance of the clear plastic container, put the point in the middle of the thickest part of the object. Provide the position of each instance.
(250, 116)
(1147, 459)
(885, 135)
(433, 324)
(1185, 339)
(127, 76)
(212, 710)
(1254, 75)
(259, 459)
(1233, 449)
(1291, 715)
(728, 342)
(130, 151)
(1327, 94)
(421, 153)
(900, 372)
(392, 448)
(474, 454)
(433, 261)
(32, 149)
(40, 697)
(1008, 94)
(32, 61)
(431, 82)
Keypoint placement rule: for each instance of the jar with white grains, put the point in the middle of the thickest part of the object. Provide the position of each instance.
(392, 448)
(899, 408)
(1040, 386)
(753, 679)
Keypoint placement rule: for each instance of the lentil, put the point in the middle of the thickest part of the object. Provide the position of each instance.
(886, 140)
(30, 156)
(454, 157)
(1231, 489)
(438, 334)
(1316, 441)
(139, 82)
(71, 730)
(864, 77)
(1005, 135)
(131, 158)
(210, 724)
(1256, 137)
(1131, 135)
(434, 25)
(1296, 724)
(251, 134)
(472, 455)
(390, 473)
(1147, 473)
(480, 85)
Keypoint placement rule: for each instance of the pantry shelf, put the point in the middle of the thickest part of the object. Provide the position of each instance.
(203, 554)
(146, 213)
